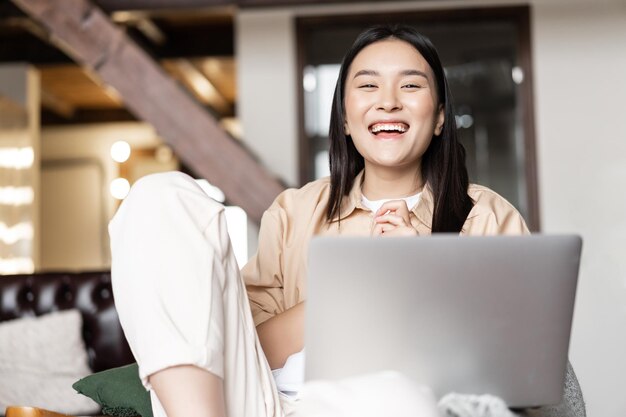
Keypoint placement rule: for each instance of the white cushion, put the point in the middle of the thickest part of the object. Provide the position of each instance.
(40, 359)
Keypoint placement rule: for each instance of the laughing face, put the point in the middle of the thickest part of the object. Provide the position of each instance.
(392, 109)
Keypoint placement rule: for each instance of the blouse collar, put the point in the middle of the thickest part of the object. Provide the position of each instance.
(423, 210)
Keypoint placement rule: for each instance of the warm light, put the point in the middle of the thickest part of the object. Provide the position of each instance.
(232, 126)
(16, 196)
(13, 266)
(309, 80)
(164, 154)
(201, 85)
(119, 188)
(15, 233)
(17, 158)
(517, 74)
(120, 151)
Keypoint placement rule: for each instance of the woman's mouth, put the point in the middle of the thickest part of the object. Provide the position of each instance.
(388, 129)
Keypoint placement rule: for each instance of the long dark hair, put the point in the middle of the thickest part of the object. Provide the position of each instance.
(443, 163)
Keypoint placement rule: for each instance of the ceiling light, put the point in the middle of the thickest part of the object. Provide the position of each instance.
(119, 188)
(120, 151)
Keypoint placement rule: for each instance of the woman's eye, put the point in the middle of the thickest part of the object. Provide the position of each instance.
(411, 86)
(367, 86)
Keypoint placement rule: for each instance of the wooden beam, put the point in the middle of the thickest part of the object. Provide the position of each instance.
(56, 104)
(115, 5)
(87, 116)
(153, 96)
(199, 85)
(149, 30)
(20, 41)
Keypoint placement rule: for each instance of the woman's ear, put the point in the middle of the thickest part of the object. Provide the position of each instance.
(346, 129)
(440, 120)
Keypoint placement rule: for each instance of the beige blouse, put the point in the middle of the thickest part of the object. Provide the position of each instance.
(276, 276)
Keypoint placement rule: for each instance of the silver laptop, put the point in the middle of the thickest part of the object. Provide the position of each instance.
(460, 314)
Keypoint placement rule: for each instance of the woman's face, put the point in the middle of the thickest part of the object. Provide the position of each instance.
(391, 104)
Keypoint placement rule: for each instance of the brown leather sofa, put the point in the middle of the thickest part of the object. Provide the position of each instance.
(89, 292)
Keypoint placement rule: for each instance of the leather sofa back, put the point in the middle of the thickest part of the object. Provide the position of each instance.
(89, 292)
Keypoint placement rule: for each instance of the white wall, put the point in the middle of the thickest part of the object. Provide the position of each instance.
(580, 91)
(579, 73)
(265, 45)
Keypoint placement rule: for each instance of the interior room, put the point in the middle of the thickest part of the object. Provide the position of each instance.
(96, 94)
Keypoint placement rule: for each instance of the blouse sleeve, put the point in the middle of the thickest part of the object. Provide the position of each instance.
(263, 274)
(494, 215)
(509, 222)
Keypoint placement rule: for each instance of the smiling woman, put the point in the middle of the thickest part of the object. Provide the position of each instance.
(391, 101)
(391, 112)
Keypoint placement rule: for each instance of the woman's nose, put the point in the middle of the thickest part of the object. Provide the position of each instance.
(388, 101)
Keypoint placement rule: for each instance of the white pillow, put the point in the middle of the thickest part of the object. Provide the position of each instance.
(40, 359)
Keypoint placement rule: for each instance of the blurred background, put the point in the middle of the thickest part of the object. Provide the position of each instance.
(94, 95)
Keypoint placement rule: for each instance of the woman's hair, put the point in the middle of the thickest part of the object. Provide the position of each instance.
(443, 163)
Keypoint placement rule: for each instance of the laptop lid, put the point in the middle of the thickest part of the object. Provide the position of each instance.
(459, 314)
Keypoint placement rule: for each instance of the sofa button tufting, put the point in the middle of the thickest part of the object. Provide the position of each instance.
(105, 294)
(27, 296)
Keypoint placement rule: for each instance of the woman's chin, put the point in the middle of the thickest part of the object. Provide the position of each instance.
(392, 163)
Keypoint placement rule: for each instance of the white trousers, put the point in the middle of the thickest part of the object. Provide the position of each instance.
(181, 301)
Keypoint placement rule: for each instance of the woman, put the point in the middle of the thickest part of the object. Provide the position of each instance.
(396, 169)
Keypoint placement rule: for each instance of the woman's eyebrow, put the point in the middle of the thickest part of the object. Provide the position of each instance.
(404, 73)
(415, 72)
(366, 72)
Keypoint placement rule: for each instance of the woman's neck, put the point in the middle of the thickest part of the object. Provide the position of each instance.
(383, 183)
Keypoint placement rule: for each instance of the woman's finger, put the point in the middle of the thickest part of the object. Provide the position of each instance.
(397, 207)
(378, 230)
(392, 219)
(400, 231)
(389, 230)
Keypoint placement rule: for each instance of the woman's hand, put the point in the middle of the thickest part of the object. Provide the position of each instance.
(392, 219)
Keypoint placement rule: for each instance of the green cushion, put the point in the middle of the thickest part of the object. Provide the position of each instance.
(118, 391)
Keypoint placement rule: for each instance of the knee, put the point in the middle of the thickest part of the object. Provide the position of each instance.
(166, 198)
(157, 189)
(155, 185)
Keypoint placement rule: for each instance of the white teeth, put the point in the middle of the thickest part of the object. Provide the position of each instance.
(388, 127)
